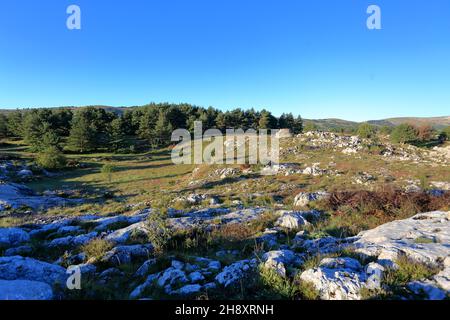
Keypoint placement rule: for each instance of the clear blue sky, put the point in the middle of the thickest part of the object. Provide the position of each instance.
(312, 57)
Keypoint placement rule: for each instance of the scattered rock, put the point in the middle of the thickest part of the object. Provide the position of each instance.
(278, 260)
(234, 273)
(10, 237)
(20, 268)
(25, 290)
(304, 198)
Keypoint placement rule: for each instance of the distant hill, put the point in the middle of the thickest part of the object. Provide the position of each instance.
(332, 124)
(435, 122)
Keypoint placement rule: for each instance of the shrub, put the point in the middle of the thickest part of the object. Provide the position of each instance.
(277, 287)
(307, 291)
(404, 133)
(108, 170)
(51, 159)
(445, 134)
(96, 248)
(365, 130)
(158, 231)
(425, 133)
(407, 271)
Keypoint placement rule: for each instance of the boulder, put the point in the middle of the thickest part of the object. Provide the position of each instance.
(145, 267)
(278, 260)
(139, 290)
(16, 196)
(73, 241)
(335, 283)
(304, 198)
(188, 290)
(196, 276)
(18, 251)
(291, 221)
(10, 237)
(122, 235)
(234, 273)
(127, 254)
(172, 276)
(25, 290)
(20, 268)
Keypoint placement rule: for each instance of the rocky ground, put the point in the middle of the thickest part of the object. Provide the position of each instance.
(321, 224)
(35, 257)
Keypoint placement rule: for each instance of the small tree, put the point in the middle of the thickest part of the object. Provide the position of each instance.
(425, 133)
(404, 133)
(297, 126)
(158, 231)
(366, 130)
(445, 134)
(162, 131)
(116, 134)
(82, 134)
(385, 130)
(51, 158)
(267, 120)
(108, 170)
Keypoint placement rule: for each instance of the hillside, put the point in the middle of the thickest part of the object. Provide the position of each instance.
(436, 122)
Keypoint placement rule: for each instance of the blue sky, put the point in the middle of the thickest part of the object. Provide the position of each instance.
(312, 57)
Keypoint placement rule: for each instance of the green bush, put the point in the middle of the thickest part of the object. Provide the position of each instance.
(108, 170)
(365, 130)
(51, 159)
(404, 133)
(96, 248)
(445, 134)
(158, 232)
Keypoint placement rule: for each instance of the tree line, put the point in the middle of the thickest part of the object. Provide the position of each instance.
(89, 129)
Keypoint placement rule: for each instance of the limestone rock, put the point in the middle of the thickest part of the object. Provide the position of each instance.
(25, 290)
(234, 273)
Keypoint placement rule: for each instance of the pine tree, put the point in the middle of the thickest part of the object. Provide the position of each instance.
(162, 132)
(82, 134)
(267, 121)
(404, 133)
(297, 126)
(15, 124)
(116, 134)
(3, 127)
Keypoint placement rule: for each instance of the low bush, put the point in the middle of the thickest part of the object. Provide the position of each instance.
(96, 248)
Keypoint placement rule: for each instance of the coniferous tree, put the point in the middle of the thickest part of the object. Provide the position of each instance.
(162, 132)
(297, 126)
(15, 124)
(82, 134)
(3, 127)
(117, 134)
(404, 133)
(267, 120)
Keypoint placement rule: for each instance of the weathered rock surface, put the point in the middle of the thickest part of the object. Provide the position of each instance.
(25, 290)
(278, 260)
(304, 198)
(337, 279)
(234, 273)
(424, 238)
(20, 268)
(16, 196)
(10, 237)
